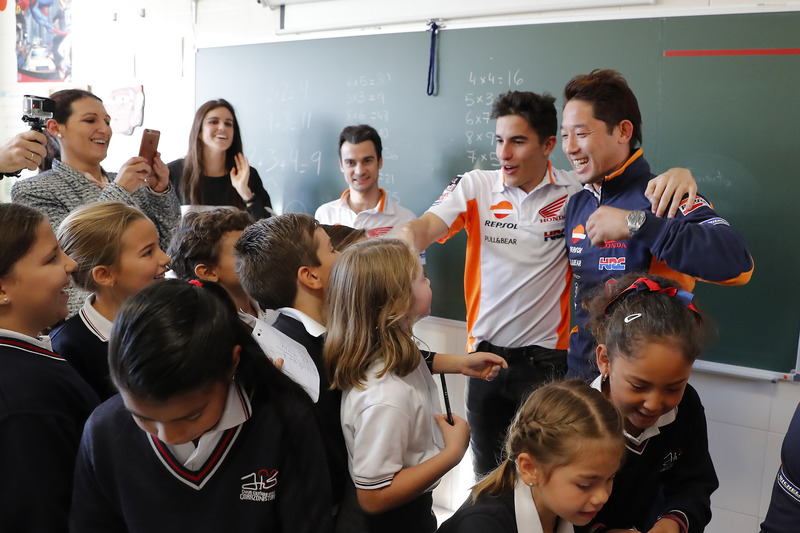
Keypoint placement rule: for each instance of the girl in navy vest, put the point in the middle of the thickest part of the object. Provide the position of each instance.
(649, 334)
(43, 401)
(205, 435)
(116, 248)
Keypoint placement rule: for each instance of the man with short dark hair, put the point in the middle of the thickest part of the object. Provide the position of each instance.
(610, 230)
(516, 280)
(364, 205)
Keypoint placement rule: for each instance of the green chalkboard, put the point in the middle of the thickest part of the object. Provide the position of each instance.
(731, 119)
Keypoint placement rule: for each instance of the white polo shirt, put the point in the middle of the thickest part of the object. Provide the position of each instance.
(389, 425)
(383, 219)
(516, 277)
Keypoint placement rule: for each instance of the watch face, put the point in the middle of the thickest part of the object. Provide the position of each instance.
(635, 221)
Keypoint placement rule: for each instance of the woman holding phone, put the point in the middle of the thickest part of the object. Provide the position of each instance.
(215, 172)
(81, 127)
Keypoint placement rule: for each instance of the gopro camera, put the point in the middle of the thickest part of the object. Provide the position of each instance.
(37, 110)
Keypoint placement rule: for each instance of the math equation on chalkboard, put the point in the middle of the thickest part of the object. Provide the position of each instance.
(479, 136)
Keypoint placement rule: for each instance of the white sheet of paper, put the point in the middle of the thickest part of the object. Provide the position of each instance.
(297, 364)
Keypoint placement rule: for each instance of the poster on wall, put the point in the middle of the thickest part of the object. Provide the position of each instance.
(44, 41)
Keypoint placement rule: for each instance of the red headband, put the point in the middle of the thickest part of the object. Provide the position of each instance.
(649, 285)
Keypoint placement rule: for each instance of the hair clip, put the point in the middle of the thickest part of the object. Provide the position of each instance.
(649, 285)
(196, 282)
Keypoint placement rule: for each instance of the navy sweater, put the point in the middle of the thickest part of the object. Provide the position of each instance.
(696, 244)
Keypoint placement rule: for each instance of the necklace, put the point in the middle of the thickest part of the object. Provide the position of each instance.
(102, 182)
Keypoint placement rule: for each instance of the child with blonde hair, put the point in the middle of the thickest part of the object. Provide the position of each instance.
(398, 445)
(117, 252)
(562, 451)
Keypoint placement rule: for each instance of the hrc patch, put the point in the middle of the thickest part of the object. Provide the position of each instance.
(611, 263)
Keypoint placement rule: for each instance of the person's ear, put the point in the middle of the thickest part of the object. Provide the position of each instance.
(309, 277)
(549, 144)
(236, 357)
(530, 470)
(603, 362)
(103, 276)
(206, 272)
(625, 132)
(53, 127)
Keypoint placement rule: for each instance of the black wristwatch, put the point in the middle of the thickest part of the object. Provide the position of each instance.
(636, 220)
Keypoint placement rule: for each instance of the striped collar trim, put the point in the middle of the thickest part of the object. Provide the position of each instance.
(99, 325)
(30, 348)
(198, 479)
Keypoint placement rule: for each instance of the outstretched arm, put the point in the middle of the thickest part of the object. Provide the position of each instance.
(420, 233)
(484, 365)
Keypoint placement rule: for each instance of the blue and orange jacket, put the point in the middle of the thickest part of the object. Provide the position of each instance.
(695, 245)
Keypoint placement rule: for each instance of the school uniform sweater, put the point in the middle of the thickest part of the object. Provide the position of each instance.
(83, 341)
(669, 473)
(329, 403)
(263, 475)
(513, 512)
(43, 406)
(696, 244)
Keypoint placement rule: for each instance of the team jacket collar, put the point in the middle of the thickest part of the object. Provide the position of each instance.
(637, 444)
(40, 346)
(635, 158)
(94, 321)
(636, 155)
(379, 207)
(214, 444)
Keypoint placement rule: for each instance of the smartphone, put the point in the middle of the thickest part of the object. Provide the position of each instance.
(149, 145)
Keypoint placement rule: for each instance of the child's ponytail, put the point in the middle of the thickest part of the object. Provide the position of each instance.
(549, 427)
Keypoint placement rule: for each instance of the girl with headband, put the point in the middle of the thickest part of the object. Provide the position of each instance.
(649, 334)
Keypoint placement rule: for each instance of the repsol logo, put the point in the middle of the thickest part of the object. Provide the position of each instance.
(495, 224)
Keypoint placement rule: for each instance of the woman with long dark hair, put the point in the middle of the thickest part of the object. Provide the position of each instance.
(215, 171)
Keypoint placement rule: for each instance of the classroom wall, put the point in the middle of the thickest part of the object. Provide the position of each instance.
(118, 43)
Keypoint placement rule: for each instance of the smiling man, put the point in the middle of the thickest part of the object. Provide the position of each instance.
(609, 225)
(517, 280)
(364, 205)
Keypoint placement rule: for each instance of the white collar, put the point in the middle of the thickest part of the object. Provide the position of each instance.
(249, 319)
(314, 328)
(94, 321)
(40, 342)
(527, 516)
(653, 430)
(236, 412)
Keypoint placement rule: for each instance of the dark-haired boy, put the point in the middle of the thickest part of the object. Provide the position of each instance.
(363, 205)
(202, 249)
